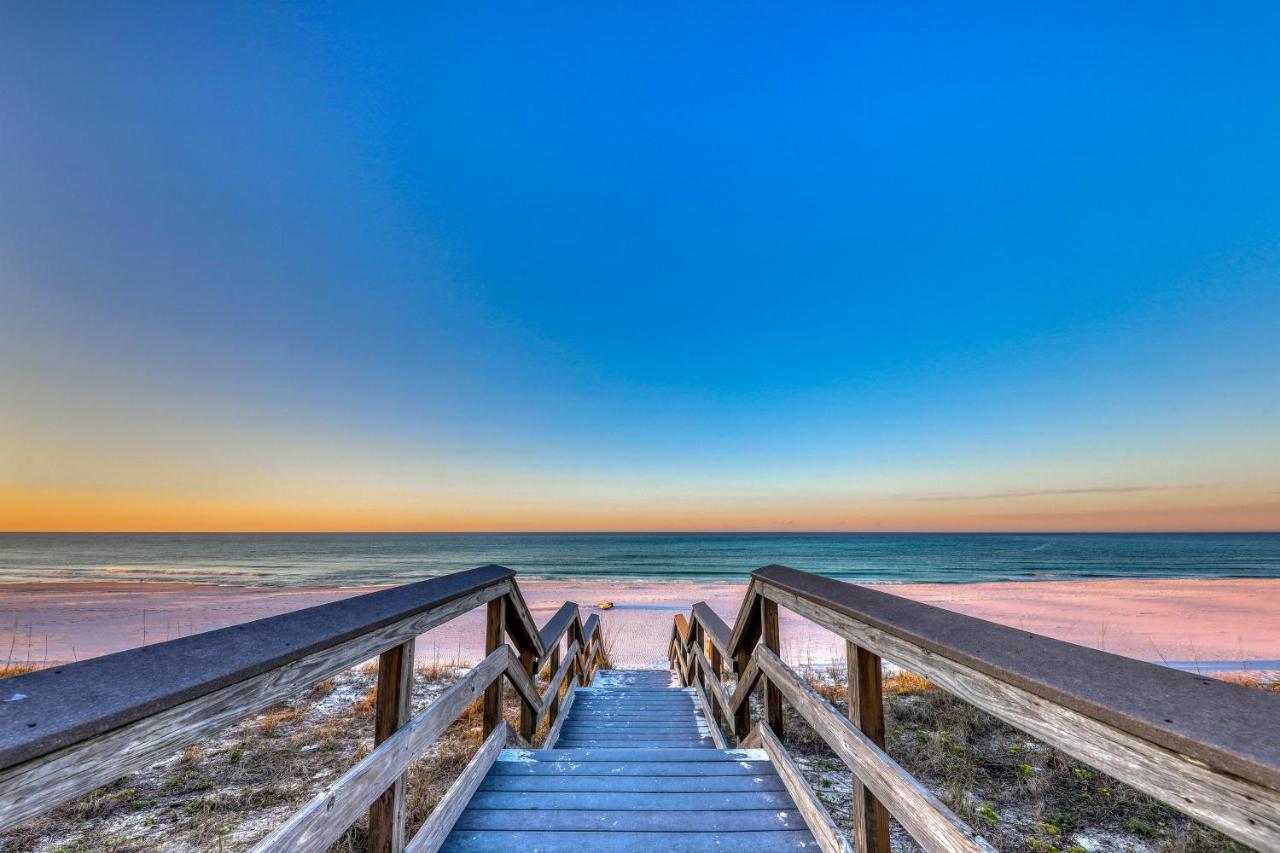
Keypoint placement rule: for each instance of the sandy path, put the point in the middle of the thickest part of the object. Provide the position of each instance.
(1159, 620)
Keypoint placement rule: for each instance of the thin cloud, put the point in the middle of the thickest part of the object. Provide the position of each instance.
(1041, 493)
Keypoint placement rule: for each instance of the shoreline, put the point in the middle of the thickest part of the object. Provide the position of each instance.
(1215, 623)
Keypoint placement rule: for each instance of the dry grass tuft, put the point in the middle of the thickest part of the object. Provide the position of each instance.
(1253, 681)
(364, 708)
(906, 684)
(273, 719)
(438, 670)
(607, 640)
(321, 689)
(9, 670)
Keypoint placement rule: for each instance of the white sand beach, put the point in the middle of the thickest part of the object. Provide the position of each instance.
(1217, 623)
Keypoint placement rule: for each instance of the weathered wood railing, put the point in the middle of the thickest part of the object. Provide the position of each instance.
(67, 730)
(1206, 747)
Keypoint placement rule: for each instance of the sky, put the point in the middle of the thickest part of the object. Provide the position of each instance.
(608, 266)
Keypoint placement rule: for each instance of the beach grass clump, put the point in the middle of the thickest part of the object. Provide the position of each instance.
(607, 640)
(10, 670)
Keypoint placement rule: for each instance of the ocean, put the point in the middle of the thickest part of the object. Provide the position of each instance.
(361, 559)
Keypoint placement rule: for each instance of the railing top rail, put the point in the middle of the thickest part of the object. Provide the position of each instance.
(1224, 725)
(715, 627)
(681, 627)
(53, 708)
(559, 622)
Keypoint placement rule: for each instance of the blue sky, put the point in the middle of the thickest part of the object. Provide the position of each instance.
(640, 267)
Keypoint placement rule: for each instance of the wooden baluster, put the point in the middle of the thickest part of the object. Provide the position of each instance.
(528, 716)
(742, 719)
(575, 632)
(772, 696)
(866, 711)
(495, 633)
(698, 675)
(717, 666)
(555, 698)
(392, 708)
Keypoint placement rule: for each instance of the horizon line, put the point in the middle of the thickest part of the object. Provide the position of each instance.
(568, 532)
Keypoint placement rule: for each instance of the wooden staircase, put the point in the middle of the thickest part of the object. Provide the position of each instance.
(634, 767)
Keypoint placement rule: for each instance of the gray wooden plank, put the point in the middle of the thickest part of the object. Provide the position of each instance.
(637, 725)
(636, 709)
(682, 705)
(596, 693)
(638, 698)
(650, 784)
(594, 743)
(633, 740)
(673, 769)
(615, 733)
(626, 756)
(625, 702)
(624, 801)
(627, 842)
(634, 714)
(606, 691)
(575, 820)
(639, 730)
(637, 737)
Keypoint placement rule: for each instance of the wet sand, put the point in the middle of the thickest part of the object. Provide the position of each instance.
(1210, 624)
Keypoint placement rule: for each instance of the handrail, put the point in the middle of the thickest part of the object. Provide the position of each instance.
(558, 624)
(68, 704)
(1198, 744)
(1205, 718)
(717, 631)
(70, 729)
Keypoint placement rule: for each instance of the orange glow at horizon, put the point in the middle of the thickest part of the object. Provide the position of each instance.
(27, 509)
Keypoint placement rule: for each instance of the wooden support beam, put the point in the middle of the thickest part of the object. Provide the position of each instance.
(772, 696)
(493, 640)
(528, 714)
(329, 814)
(393, 705)
(556, 677)
(435, 830)
(866, 711)
(930, 823)
(557, 724)
(742, 715)
(811, 808)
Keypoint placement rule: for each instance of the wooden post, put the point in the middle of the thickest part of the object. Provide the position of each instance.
(717, 664)
(742, 720)
(555, 697)
(528, 716)
(392, 708)
(866, 711)
(698, 675)
(575, 631)
(772, 696)
(493, 639)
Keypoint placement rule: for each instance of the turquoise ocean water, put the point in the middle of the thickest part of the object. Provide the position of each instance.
(357, 559)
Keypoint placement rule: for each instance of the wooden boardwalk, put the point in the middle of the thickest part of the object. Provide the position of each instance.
(634, 768)
(629, 762)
